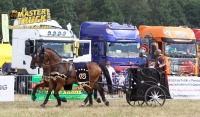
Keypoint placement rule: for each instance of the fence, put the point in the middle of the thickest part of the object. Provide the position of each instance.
(22, 87)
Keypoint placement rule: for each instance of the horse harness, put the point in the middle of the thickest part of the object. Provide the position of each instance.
(82, 76)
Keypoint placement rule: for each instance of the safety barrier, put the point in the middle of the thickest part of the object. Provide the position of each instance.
(22, 87)
(23, 84)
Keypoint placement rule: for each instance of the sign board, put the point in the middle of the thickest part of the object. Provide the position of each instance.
(184, 87)
(27, 17)
(7, 88)
(5, 31)
(75, 94)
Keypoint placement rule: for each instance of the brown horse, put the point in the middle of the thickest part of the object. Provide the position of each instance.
(46, 74)
(64, 73)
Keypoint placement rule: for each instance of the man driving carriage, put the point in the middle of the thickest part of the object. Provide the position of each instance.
(142, 62)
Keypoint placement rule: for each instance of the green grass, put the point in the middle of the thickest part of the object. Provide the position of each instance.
(117, 108)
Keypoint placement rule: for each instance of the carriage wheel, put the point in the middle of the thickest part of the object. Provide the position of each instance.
(155, 96)
(133, 103)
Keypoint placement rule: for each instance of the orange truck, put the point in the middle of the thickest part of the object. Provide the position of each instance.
(197, 35)
(178, 45)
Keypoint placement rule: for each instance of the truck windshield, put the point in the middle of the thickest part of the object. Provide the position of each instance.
(63, 49)
(122, 50)
(180, 50)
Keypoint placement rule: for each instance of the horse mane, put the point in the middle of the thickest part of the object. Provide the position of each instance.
(54, 51)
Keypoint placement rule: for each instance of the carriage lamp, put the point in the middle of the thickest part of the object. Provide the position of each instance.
(158, 84)
(132, 79)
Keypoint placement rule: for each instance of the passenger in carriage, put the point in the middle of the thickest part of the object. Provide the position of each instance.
(160, 61)
(142, 62)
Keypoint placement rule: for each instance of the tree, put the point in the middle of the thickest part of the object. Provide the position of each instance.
(192, 11)
(63, 11)
(105, 10)
(136, 12)
(82, 10)
(5, 7)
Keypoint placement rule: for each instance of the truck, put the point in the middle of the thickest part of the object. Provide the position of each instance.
(197, 35)
(178, 45)
(27, 40)
(111, 41)
(5, 58)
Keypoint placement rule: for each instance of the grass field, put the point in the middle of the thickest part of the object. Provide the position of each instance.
(118, 108)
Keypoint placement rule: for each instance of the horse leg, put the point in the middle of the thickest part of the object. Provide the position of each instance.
(44, 84)
(101, 92)
(85, 101)
(96, 96)
(51, 87)
(56, 95)
(89, 92)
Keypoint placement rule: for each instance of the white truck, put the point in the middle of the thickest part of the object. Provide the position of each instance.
(56, 38)
(63, 41)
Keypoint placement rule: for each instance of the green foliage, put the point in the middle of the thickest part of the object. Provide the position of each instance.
(4, 9)
(136, 12)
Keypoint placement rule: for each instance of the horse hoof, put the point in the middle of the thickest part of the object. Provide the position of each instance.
(64, 100)
(34, 98)
(58, 105)
(82, 105)
(98, 100)
(107, 103)
(89, 105)
(42, 105)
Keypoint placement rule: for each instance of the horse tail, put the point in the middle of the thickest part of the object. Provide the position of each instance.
(108, 78)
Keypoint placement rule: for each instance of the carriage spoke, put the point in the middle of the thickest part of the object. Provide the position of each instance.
(155, 96)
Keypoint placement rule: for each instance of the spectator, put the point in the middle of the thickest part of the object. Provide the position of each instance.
(111, 71)
(121, 83)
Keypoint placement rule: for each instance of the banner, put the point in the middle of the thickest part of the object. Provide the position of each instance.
(7, 88)
(74, 94)
(184, 87)
(5, 31)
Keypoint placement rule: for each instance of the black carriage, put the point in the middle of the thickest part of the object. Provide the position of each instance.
(146, 85)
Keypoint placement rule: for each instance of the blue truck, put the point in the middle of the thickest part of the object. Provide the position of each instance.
(112, 42)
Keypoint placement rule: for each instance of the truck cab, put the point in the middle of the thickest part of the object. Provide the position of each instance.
(112, 42)
(29, 40)
(178, 45)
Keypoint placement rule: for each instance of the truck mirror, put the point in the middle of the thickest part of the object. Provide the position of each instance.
(100, 46)
(80, 49)
(111, 44)
(27, 51)
(29, 47)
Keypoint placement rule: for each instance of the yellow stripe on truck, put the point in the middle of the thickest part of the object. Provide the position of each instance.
(5, 54)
